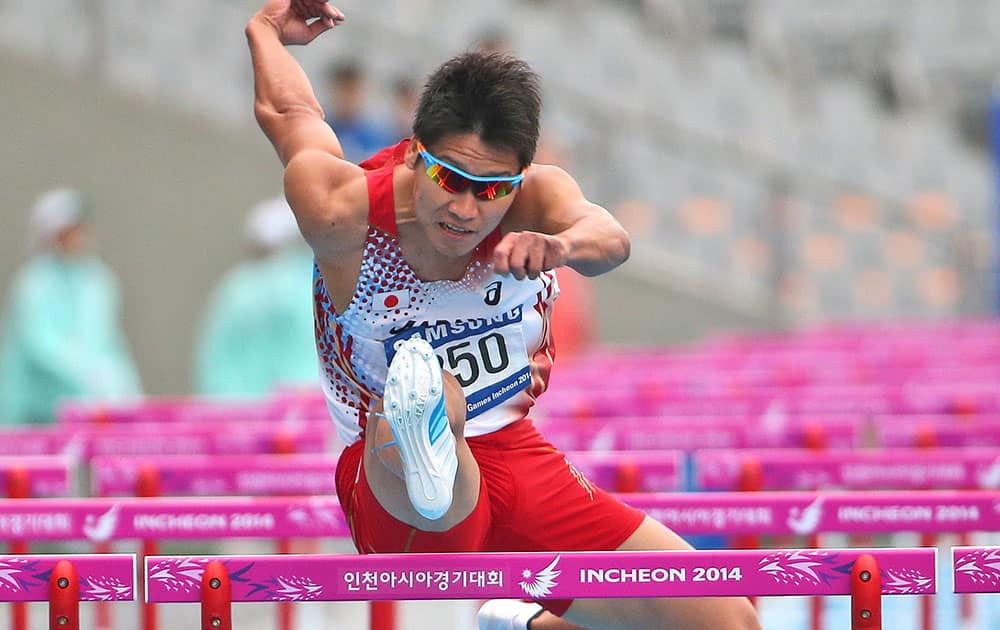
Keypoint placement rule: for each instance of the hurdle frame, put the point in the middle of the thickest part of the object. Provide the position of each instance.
(219, 581)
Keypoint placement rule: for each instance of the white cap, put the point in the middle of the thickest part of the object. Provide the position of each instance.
(271, 224)
(55, 211)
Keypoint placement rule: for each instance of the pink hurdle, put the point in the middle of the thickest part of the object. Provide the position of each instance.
(976, 569)
(26, 477)
(146, 438)
(896, 468)
(722, 513)
(865, 574)
(65, 581)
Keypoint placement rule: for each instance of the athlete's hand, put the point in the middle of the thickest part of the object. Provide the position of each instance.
(527, 254)
(300, 21)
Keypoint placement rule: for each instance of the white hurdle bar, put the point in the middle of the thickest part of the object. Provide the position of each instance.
(864, 574)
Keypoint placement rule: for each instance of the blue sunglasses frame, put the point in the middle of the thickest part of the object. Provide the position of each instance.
(482, 187)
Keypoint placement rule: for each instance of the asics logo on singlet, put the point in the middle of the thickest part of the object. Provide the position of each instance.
(493, 293)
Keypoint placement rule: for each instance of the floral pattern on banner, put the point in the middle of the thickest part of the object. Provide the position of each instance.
(179, 575)
(904, 582)
(17, 574)
(101, 588)
(184, 575)
(804, 567)
(286, 588)
(981, 567)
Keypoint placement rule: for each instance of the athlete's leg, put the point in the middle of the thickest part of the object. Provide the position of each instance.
(384, 468)
(719, 613)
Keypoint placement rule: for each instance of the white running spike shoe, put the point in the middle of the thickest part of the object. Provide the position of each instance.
(414, 405)
(506, 614)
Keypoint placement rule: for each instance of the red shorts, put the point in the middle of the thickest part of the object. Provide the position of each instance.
(531, 499)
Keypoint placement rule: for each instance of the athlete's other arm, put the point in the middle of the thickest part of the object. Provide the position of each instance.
(551, 224)
(291, 117)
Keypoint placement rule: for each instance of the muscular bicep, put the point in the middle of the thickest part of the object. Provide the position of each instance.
(329, 199)
(294, 132)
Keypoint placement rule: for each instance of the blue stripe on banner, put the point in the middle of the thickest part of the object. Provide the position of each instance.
(439, 420)
(488, 398)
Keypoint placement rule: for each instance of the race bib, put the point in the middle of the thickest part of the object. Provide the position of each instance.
(488, 357)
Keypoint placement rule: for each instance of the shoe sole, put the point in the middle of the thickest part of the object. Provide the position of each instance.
(414, 408)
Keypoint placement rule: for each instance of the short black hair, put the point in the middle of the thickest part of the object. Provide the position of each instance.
(494, 95)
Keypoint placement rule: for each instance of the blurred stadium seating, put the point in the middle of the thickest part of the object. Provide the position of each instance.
(799, 160)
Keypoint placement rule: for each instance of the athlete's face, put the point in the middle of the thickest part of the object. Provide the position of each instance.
(455, 223)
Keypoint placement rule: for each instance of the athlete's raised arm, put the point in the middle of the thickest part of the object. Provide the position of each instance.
(316, 175)
(551, 224)
(284, 102)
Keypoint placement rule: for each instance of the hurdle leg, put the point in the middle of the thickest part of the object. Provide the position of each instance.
(866, 594)
(965, 601)
(216, 598)
(18, 487)
(927, 439)
(284, 444)
(751, 480)
(926, 601)
(815, 603)
(814, 438)
(286, 614)
(148, 486)
(102, 615)
(64, 597)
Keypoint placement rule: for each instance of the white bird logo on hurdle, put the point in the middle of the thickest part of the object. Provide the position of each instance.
(540, 584)
(989, 478)
(804, 521)
(100, 528)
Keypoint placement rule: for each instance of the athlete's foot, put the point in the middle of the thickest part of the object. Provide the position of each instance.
(414, 406)
(507, 614)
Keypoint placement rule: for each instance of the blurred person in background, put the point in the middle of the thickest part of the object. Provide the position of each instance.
(360, 133)
(61, 335)
(257, 331)
(405, 94)
(452, 236)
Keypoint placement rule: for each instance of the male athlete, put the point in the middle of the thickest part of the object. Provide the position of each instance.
(439, 251)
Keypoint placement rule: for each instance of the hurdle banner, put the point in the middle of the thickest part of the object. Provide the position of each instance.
(38, 441)
(804, 513)
(900, 468)
(653, 471)
(131, 518)
(102, 577)
(234, 438)
(801, 513)
(284, 409)
(185, 475)
(570, 575)
(219, 475)
(976, 569)
(688, 434)
(948, 431)
(47, 475)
